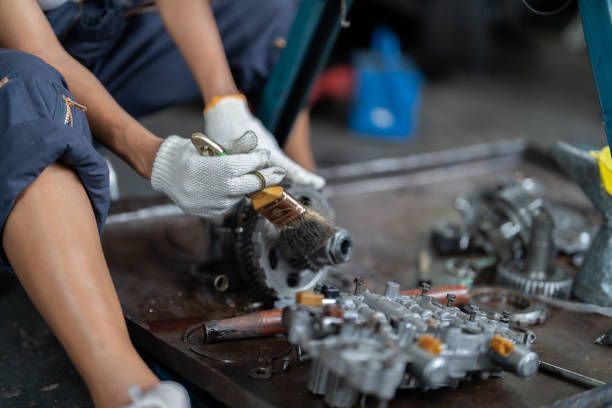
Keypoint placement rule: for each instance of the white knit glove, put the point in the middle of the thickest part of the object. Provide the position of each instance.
(209, 186)
(229, 117)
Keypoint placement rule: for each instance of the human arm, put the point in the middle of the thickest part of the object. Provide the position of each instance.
(194, 29)
(205, 186)
(227, 115)
(24, 27)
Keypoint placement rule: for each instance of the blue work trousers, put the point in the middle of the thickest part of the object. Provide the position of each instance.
(133, 56)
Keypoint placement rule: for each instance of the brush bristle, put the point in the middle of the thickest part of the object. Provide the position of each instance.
(301, 238)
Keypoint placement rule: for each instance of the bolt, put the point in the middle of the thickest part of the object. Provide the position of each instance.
(473, 312)
(505, 316)
(286, 363)
(425, 286)
(450, 299)
(359, 282)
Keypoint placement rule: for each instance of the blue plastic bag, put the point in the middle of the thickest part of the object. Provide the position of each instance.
(388, 90)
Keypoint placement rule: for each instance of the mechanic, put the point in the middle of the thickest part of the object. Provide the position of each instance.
(117, 59)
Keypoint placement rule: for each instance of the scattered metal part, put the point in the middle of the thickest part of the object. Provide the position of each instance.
(557, 283)
(286, 363)
(593, 282)
(523, 310)
(536, 276)
(425, 287)
(263, 370)
(449, 239)
(218, 282)
(572, 233)
(337, 250)
(599, 397)
(499, 221)
(576, 306)
(461, 269)
(384, 342)
(251, 239)
(459, 293)
(605, 339)
(301, 356)
(569, 375)
(254, 306)
(359, 285)
(258, 324)
(507, 215)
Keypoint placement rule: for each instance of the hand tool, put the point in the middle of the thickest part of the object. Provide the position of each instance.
(302, 230)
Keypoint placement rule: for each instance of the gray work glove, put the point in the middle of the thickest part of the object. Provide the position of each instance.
(209, 186)
(229, 117)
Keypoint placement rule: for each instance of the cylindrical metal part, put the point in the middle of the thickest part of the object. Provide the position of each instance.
(440, 292)
(521, 361)
(392, 289)
(569, 375)
(539, 251)
(259, 324)
(473, 310)
(319, 375)
(340, 393)
(359, 285)
(283, 210)
(430, 369)
(219, 283)
(337, 250)
(393, 310)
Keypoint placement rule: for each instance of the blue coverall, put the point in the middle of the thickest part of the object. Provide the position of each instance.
(131, 53)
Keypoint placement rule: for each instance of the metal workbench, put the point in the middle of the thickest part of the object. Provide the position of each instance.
(389, 206)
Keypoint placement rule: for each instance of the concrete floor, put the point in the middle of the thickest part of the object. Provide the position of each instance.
(543, 97)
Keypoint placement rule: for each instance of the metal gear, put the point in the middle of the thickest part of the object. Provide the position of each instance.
(261, 266)
(556, 283)
(536, 276)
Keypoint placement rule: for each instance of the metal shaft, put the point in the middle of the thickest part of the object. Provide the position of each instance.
(569, 375)
(258, 324)
(539, 250)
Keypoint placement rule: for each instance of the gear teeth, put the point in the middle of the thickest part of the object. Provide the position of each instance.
(558, 282)
(251, 272)
(247, 240)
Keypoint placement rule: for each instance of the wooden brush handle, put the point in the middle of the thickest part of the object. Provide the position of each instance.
(266, 196)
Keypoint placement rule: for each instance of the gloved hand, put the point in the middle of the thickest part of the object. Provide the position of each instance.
(209, 186)
(227, 118)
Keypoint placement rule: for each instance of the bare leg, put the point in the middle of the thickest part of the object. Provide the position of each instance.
(298, 143)
(52, 242)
